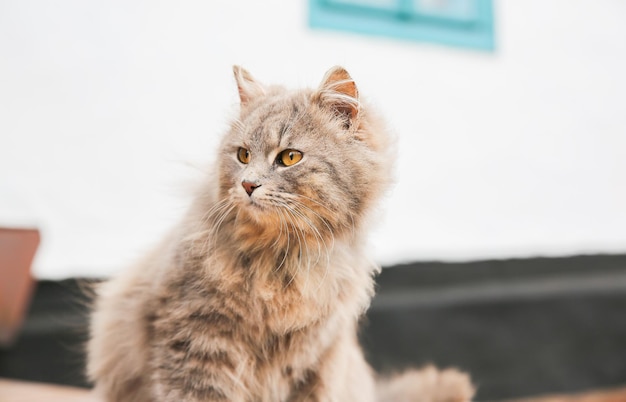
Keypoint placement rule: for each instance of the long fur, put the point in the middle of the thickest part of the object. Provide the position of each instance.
(257, 297)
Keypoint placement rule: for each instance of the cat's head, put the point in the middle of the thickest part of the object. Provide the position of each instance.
(310, 163)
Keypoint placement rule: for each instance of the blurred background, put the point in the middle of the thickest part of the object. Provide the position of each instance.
(504, 238)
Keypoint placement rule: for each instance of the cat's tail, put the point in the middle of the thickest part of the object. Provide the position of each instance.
(426, 385)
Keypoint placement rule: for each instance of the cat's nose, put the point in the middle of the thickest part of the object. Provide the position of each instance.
(250, 186)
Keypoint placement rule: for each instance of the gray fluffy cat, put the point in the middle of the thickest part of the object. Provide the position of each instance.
(257, 293)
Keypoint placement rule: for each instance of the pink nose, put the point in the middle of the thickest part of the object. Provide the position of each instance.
(249, 186)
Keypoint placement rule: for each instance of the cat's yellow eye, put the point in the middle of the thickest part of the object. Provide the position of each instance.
(289, 157)
(243, 155)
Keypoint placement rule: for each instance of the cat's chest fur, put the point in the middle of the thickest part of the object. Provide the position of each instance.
(246, 324)
(256, 295)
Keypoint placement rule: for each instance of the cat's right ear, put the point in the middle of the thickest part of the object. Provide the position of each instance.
(248, 87)
(338, 93)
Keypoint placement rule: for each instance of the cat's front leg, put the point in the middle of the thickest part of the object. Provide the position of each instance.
(191, 384)
(343, 375)
(186, 371)
(190, 393)
(197, 355)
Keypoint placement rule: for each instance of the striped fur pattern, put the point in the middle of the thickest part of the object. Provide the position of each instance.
(256, 297)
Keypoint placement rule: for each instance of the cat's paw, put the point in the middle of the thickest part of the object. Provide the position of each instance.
(427, 385)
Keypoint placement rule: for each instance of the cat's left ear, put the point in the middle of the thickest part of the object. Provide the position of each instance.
(248, 87)
(338, 93)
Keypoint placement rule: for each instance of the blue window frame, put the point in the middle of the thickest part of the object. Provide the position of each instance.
(466, 23)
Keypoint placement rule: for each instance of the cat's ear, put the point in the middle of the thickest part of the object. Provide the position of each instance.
(338, 93)
(248, 87)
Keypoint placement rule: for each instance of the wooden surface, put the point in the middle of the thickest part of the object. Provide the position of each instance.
(19, 391)
(614, 395)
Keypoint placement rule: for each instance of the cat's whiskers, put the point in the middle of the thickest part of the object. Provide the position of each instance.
(283, 223)
(278, 239)
(296, 214)
(219, 213)
(301, 205)
(298, 210)
(294, 209)
(303, 243)
(321, 239)
(314, 230)
(352, 226)
(225, 212)
(206, 218)
(290, 222)
(208, 214)
(330, 231)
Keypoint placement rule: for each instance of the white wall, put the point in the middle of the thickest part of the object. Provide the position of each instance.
(107, 109)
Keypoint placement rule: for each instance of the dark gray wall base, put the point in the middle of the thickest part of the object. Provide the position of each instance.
(520, 327)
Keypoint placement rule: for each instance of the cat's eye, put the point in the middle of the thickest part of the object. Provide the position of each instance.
(243, 155)
(289, 157)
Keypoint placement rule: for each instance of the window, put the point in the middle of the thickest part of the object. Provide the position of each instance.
(466, 23)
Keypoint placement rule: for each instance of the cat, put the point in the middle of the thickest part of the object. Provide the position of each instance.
(257, 294)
